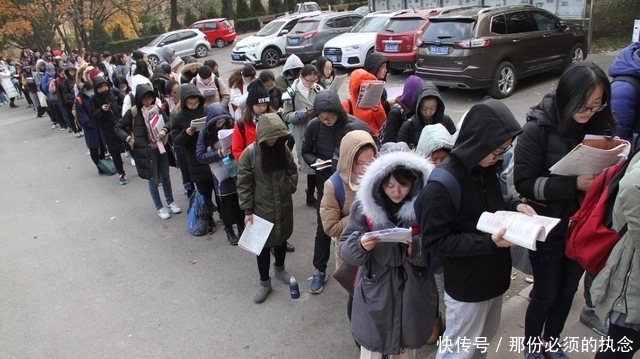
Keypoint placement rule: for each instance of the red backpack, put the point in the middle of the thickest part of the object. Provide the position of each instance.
(590, 238)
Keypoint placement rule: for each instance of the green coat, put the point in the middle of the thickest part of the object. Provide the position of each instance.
(617, 286)
(268, 195)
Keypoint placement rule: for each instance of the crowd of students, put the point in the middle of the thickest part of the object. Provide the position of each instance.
(380, 177)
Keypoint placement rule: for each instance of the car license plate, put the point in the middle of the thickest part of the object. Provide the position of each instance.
(333, 58)
(235, 57)
(391, 47)
(439, 50)
(294, 41)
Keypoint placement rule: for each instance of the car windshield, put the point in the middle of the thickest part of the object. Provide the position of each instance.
(370, 24)
(156, 41)
(305, 26)
(448, 30)
(402, 25)
(270, 29)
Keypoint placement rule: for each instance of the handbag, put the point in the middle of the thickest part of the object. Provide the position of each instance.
(106, 165)
(42, 99)
(346, 276)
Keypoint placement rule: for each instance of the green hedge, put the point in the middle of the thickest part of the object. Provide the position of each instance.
(127, 46)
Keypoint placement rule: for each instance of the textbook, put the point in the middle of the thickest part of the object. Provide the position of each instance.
(176, 64)
(255, 235)
(398, 235)
(370, 93)
(522, 230)
(199, 123)
(592, 156)
(337, 83)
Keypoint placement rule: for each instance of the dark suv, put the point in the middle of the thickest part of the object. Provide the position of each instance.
(493, 48)
(307, 38)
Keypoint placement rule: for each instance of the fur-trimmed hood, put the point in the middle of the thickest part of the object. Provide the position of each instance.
(370, 191)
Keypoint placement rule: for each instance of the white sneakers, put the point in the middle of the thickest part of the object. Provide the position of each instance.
(163, 213)
(174, 208)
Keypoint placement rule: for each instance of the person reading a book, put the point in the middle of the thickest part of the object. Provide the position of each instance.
(429, 110)
(395, 296)
(212, 88)
(402, 110)
(476, 265)
(556, 125)
(290, 72)
(435, 143)
(373, 116)
(320, 144)
(326, 72)
(267, 178)
(378, 65)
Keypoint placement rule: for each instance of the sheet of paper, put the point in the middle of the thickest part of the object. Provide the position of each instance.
(583, 159)
(176, 64)
(206, 92)
(337, 83)
(399, 235)
(370, 93)
(393, 92)
(224, 136)
(318, 166)
(255, 235)
(199, 123)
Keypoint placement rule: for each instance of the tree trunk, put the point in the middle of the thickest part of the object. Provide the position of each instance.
(174, 16)
(230, 7)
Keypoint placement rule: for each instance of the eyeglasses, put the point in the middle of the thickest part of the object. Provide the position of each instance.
(592, 109)
(501, 151)
(363, 164)
(310, 81)
(328, 118)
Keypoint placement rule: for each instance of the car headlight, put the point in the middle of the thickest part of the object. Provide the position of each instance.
(352, 47)
(250, 46)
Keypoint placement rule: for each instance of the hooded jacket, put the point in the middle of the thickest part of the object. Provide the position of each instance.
(410, 130)
(89, 127)
(39, 72)
(321, 141)
(106, 120)
(66, 88)
(199, 172)
(395, 297)
(211, 92)
(268, 195)
(286, 78)
(49, 75)
(372, 64)
(434, 137)
(475, 268)
(334, 219)
(374, 117)
(402, 110)
(136, 127)
(623, 95)
(187, 73)
(167, 56)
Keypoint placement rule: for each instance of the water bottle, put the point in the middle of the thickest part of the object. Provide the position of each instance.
(226, 161)
(293, 288)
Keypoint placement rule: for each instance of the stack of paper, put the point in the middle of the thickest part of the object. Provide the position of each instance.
(199, 123)
(370, 93)
(224, 136)
(399, 235)
(255, 235)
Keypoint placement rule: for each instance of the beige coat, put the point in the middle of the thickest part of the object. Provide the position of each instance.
(219, 94)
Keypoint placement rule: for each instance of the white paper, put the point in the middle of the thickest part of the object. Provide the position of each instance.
(255, 235)
(224, 136)
(370, 93)
(337, 83)
(522, 230)
(176, 64)
(217, 168)
(318, 166)
(393, 92)
(199, 123)
(585, 160)
(399, 235)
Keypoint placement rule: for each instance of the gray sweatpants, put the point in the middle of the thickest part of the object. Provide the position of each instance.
(470, 328)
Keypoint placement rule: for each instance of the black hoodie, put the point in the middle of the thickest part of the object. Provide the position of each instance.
(106, 120)
(199, 172)
(372, 64)
(475, 268)
(411, 130)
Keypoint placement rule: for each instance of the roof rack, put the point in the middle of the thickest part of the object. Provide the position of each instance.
(456, 8)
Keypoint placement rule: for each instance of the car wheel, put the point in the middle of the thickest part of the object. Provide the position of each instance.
(270, 58)
(504, 81)
(220, 43)
(201, 51)
(576, 54)
(153, 60)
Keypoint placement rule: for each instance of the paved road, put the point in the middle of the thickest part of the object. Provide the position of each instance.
(88, 270)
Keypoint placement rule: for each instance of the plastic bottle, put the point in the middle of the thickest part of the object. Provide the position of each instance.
(226, 161)
(293, 288)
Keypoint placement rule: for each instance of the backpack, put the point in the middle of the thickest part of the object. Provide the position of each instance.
(383, 128)
(590, 238)
(338, 188)
(635, 82)
(197, 214)
(53, 88)
(252, 155)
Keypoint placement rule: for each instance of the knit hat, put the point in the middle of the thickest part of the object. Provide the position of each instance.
(248, 71)
(258, 93)
(95, 72)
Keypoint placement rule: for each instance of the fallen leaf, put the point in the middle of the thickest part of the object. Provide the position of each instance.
(193, 261)
(165, 226)
(513, 276)
(528, 279)
(112, 218)
(36, 237)
(310, 278)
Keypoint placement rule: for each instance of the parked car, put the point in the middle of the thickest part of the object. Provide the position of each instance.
(493, 48)
(350, 49)
(306, 7)
(308, 37)
(267, 45)
(397, 39)
(219, 32)
(363, 10)
(185, 43)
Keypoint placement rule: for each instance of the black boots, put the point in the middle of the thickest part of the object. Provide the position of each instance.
(311, 190)
(231, 235)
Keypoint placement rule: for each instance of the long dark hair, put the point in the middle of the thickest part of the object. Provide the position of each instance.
(274, 157)
(575, 86)
(142, 69)
(235, 79)
(320, 63)
(247, 114)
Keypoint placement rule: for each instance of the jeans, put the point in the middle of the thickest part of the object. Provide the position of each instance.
(556, 280)
(160, 167)
(322, 246)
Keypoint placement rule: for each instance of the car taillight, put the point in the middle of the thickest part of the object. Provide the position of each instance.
(416, 41)
(473, 43)
(308, 35)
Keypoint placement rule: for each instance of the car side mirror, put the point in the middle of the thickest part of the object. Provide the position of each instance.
(563, 25)
(283, 32)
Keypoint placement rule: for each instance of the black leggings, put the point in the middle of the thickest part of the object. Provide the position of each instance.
(117, 161)
(616, 333)
(264, 259)
(206, 189)
(97, 154)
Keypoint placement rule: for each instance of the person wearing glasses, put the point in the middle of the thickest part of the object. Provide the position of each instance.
(476, 265)
(554, 127)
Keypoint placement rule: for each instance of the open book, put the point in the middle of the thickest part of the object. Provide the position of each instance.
(399, 235)
(370, 93)
(255, 235)
(592, 156)
(337, 83)
(199, 123)
(522, 230)
(176, 64)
